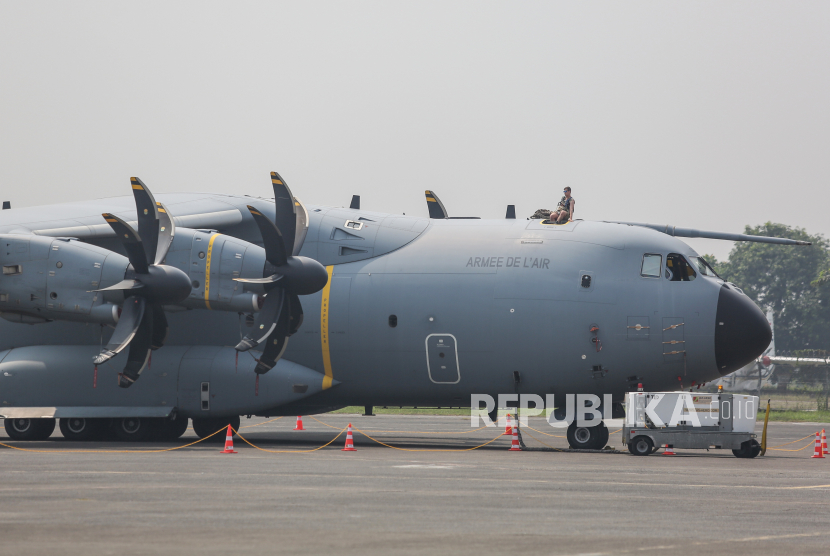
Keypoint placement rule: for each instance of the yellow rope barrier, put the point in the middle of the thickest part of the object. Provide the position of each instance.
(792, 442)
(810, 445)
(541, 442)
(541, 432)
(428, 449)
(249, 443)
(260, 424)
(410, 432)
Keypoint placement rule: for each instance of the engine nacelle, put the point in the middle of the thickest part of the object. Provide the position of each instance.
(212, 261)
(48, 279)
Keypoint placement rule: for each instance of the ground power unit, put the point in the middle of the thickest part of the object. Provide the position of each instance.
(691, 421)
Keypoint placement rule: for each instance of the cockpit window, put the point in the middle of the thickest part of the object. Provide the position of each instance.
(703, 266)
(651, 265)
(678, 269)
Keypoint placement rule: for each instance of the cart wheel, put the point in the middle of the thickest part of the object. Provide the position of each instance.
(640, 446)
(748, 449)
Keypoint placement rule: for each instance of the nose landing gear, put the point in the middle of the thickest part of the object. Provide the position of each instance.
(588, 438)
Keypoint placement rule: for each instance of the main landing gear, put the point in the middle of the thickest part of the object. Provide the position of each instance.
(29, 429)
(80, 428)
(125, 429)
(588, 438)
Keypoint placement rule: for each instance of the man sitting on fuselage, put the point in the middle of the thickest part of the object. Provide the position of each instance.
(565, 211)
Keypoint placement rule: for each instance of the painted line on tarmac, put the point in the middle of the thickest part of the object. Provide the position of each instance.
(686, 545)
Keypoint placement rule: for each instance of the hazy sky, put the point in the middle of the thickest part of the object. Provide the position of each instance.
(699, 114)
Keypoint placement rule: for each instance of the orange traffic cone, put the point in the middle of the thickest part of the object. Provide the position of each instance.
(668, 451)
(228, 443)
(299, 425)
(514, 446)
(817, 451)
(349, 441)
(508, 429)
(824, 443)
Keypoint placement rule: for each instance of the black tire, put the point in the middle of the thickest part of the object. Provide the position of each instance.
(169, 430)
(748, 449)
(133, 429)
(81, 429)
(587, 438)
(29, 429)
(641, 446)
(205, 427)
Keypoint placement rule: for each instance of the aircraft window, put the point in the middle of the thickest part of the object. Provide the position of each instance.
(393, 321)
(678, 269)
(703, 266)
(651, 265)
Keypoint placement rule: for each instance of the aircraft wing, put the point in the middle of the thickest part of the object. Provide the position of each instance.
(83, 219)
(768, 360)
(691, 232)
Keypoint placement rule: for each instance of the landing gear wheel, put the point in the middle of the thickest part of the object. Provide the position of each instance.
(205, 427)
(748, 449)
(29, 429)
(171, 429)
(133, 429)
(587, 438)
(80, 428)
(641, 446)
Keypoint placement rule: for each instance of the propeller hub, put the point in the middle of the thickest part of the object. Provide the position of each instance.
(302, 276)
(165, 285)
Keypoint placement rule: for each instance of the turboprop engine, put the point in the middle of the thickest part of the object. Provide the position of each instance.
(47, 279)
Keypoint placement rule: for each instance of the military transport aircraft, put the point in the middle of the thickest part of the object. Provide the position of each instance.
(131, 315)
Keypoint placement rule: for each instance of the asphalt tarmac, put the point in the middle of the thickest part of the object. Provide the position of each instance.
(380, 500)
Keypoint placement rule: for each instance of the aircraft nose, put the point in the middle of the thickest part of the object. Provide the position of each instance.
(742, 332)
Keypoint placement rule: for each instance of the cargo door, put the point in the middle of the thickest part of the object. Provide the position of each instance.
(442, 359)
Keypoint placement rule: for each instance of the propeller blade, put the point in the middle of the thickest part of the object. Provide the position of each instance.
(267, 280)
(286, 212)
(277, 341)
(302, 226)
(296, 313)
(139, 349)
(275, 252)
(160, 327)
(131, 242)
(123, 285)
(166, 233)
(125, 330)
(266, 320)
(148, 218)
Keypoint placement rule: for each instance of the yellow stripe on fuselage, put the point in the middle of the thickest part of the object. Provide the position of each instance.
(207, 269)
(324, 330)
